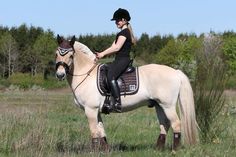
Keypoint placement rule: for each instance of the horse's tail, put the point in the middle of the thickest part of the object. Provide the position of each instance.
(187, 111)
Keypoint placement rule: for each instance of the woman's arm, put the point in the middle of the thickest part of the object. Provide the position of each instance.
(115, 47)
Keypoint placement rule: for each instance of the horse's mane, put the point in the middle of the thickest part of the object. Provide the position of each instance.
(83, 48)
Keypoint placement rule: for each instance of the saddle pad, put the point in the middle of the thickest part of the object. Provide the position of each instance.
(128, 82)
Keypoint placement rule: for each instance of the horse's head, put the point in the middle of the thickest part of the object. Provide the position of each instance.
(64, 56)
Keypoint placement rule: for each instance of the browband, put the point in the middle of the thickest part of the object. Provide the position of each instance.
(64, 51)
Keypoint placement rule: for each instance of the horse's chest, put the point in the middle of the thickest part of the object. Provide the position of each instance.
(80, 101)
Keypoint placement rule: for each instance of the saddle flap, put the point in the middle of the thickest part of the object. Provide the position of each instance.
(128, 81)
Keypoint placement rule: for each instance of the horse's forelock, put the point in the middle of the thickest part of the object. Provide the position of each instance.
(65, 44)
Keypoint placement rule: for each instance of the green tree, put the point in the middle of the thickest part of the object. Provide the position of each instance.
(21, 36)
(9, 54)
(229, 54)
(170, 53)
(180, 54)
(143, 42)
(98, 42)
(43, 49)
(142, 47)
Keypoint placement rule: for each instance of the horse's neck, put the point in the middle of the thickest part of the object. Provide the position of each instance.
(82, 62)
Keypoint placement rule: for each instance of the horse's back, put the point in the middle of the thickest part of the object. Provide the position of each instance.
(163, 69)
(159, 79)
(159, 71)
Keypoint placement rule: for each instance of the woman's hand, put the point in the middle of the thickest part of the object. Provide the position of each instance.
(99, 55)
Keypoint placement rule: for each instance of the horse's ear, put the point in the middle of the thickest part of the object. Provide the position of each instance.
(72, 41)
(59, 39)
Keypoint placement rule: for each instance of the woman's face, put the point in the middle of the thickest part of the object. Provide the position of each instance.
(120, 23)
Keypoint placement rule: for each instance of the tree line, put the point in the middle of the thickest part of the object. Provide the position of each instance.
(30, 49)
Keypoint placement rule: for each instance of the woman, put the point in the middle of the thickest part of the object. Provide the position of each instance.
(121, 47)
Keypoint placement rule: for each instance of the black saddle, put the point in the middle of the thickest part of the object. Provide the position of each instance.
(128, 81)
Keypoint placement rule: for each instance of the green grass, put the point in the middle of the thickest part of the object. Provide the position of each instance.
(47, 123)
(27, 81)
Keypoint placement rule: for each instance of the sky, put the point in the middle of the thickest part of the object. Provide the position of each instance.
(154, 17)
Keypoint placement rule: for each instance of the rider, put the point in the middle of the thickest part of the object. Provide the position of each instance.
(121, 47)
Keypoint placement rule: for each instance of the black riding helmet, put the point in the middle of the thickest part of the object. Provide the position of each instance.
(121, 13)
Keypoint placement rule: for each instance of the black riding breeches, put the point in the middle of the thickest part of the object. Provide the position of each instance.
(117, 67)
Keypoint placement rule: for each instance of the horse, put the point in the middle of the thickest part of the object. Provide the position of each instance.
(161, 85)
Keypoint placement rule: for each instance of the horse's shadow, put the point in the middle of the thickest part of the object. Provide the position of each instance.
(122, 146)
(85, 147)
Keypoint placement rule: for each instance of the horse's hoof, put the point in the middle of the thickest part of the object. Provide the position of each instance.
(100, 144)
(161, 142)
(176, 141)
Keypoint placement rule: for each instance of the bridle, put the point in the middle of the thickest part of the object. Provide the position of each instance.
(66, 66)
(63, 52)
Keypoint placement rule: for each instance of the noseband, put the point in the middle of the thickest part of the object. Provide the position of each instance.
(66, 66)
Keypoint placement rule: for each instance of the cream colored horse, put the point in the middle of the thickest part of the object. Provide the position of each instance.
(158, 83)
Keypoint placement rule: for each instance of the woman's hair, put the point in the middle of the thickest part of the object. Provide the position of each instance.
(132, 34)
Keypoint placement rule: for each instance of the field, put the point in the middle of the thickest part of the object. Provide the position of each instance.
(47, 123)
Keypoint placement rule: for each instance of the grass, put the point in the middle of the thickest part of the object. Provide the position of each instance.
(47, 123)
(26, 81)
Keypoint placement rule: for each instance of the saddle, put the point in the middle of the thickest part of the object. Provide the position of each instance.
(128, 82)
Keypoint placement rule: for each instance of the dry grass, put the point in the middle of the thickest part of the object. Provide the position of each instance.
(46, 123)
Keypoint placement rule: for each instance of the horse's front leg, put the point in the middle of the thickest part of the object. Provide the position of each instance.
(98, 134)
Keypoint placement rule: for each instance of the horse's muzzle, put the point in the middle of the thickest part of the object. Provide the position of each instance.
(60, 75)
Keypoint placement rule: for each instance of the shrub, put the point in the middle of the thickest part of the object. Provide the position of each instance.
(209, 85)
(27, 81)
(23, 80)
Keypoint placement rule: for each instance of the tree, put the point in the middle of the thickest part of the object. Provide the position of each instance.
(21, 36)
(180, 54)
(9, 53)
(43, 50)
(229, 54)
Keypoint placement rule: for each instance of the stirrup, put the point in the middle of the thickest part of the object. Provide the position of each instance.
(107, 108)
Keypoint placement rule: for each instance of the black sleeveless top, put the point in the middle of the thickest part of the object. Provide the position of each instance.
(126, 48)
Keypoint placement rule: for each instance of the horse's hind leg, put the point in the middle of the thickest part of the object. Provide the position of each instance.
(164, 125)
(175, 124)
(99, 141)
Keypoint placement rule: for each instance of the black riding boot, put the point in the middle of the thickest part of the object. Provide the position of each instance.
(115, 91)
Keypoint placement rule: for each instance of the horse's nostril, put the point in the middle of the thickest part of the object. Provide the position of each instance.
(60, 76)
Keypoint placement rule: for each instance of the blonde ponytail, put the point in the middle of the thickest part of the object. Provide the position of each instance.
(132, 34)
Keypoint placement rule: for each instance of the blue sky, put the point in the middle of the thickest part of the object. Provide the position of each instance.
(75, 17)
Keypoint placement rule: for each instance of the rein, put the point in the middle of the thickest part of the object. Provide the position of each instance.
(87, 75)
